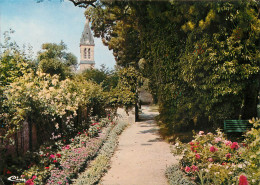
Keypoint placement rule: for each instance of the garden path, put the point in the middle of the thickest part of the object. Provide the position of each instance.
(142, 156)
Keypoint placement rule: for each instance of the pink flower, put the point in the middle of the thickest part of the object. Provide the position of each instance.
(67, 147)
(52, 156)
(197, 156)
(47, 148)
(55, 161)
(187, 169)
(201, 132)
(234, 145)
(72, 139)
(227, 143)
(194, 168)
(217, 139)
(210, 159)
(213, 149)
(58, 155)
(243, 180)
(34, 177)
(228, 155)
(79, 133)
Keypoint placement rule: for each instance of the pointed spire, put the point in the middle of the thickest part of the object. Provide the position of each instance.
(87, 37)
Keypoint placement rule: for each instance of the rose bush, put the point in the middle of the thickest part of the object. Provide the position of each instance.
(212, 159)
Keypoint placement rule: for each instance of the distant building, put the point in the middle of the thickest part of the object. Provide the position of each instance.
(86, 49)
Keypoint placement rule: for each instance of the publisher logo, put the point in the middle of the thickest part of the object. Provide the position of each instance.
(15, 179)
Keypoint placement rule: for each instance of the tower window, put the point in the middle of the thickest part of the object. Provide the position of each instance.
(88, 53)
(85, 53)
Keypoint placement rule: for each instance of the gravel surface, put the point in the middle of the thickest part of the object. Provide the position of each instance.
(142, 156)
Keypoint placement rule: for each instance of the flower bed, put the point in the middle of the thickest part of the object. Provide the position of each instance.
(211, 159)
(61, 165)
(101, 163)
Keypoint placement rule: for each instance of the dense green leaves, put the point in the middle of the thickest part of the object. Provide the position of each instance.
(54, 60)
(201, 58)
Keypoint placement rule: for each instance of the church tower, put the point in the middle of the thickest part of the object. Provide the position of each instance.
(86, 48)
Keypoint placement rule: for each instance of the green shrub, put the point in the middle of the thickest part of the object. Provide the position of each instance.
(211, 159)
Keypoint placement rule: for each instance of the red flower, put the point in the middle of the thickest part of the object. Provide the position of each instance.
(224, 163)
(213, 149)
(29, 182)
(191, 143)
(228, 155)
(234, 145)
(8, 172)
(58, 155)
(197, 156)
(47, 167)
(194, 168)
(55, 161)
(187, 169)
(79, 133)
(192, 148)
(34, 177)
(243, 180)
(52, 156)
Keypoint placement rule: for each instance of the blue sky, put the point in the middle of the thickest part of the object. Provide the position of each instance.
(49, 21)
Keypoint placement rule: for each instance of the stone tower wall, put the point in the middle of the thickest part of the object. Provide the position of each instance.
(82, 58)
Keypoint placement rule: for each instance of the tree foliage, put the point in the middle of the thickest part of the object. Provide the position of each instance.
(201, 58)
(54, 60)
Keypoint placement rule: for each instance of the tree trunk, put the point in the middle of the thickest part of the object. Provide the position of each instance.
(30, 134)
(250, 102)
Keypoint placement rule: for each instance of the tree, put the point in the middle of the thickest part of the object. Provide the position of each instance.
(55, 60)
(201, 58)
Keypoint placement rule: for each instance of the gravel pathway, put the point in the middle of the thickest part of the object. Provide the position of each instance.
(142, 156)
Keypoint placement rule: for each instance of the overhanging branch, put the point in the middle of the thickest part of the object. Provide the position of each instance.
(83, 3)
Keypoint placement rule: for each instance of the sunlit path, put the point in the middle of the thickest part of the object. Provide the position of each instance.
(141, 157)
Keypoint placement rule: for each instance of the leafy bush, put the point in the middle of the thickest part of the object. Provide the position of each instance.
(211, 159)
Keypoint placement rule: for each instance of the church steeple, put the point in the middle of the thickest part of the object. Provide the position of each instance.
(87, 48)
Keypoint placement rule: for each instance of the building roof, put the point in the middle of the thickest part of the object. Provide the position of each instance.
(87, 37)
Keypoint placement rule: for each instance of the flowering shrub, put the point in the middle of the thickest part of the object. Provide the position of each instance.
(61, 162)
(99, 166)
(212, 159)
